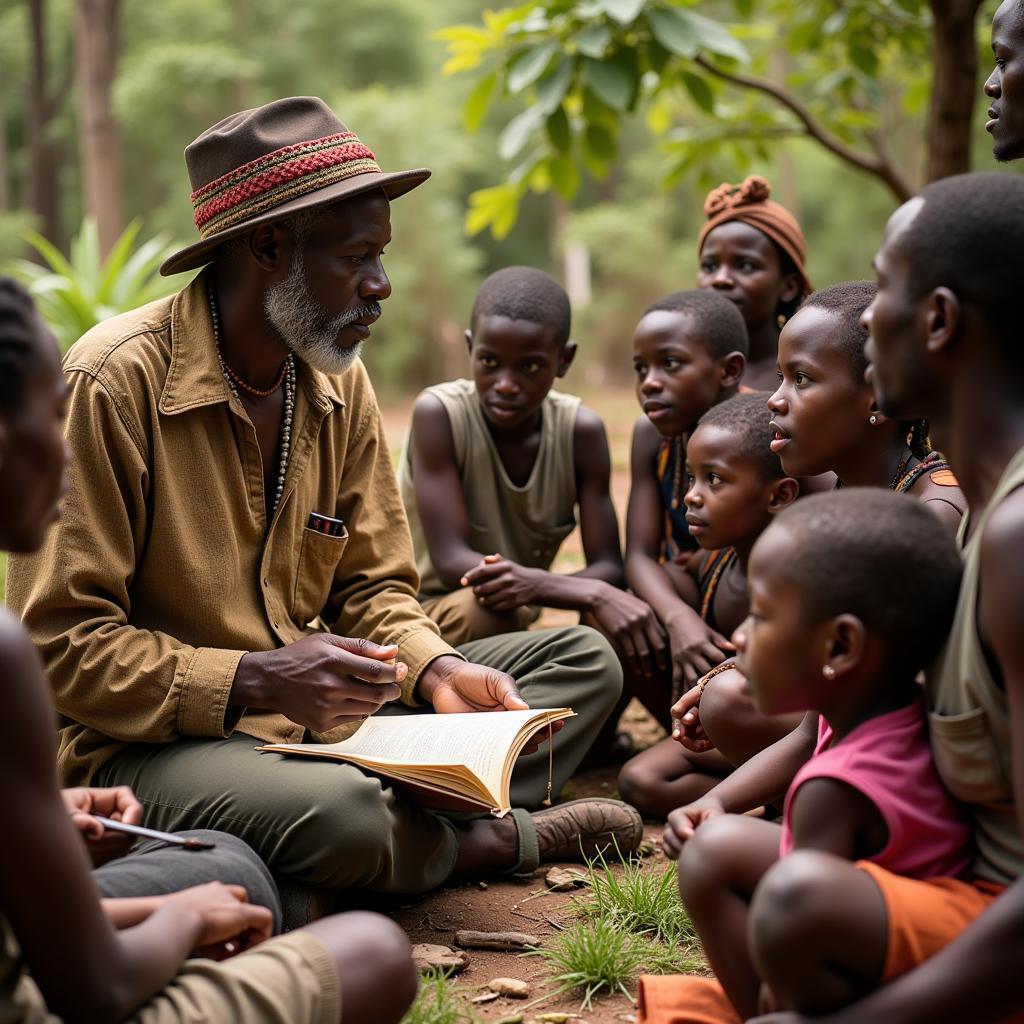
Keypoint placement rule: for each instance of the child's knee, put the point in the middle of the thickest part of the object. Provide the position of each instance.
(640, 785)
(787, 908)
(711, 857)
(725, 705)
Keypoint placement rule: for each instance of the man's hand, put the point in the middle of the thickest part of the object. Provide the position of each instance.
(502, 585)
(230, 923)
(452, 685)
(119, 803)
(696, 648)
(321, 681)
(455, 686)
(684, 821)
(686, 726)
(633, 628)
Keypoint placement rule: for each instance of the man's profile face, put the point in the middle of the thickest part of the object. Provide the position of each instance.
(1005, 86)
(896, 372)
(323, 308)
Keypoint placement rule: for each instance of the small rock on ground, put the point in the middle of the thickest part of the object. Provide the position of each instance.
(427, 955)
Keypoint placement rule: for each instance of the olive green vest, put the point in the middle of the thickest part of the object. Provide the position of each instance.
(969, 719)
(525, 524)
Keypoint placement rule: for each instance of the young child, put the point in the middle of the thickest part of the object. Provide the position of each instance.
(689, 352)
(851, 595)
(824, 418)
(752, 251)
(945, 344)
(735, 485)
(493, 469)
(824, 415)
(64, 954)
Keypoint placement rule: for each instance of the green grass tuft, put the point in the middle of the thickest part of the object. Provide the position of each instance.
(640, 901)
(437, 1003)
(598, 956)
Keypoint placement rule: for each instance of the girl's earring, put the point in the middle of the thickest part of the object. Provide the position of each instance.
(828, 672)
(873, 420)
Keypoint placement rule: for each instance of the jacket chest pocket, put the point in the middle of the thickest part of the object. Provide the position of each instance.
(967, 758)
(319, 557)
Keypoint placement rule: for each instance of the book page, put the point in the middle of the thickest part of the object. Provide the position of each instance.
(480, 740)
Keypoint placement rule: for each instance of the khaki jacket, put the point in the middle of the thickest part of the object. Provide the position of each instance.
(162, 573)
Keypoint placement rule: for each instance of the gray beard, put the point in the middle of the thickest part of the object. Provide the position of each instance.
(305, 326)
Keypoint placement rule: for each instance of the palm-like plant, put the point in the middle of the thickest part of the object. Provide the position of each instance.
(75, 293)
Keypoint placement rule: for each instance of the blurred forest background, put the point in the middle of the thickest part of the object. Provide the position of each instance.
(98, 98)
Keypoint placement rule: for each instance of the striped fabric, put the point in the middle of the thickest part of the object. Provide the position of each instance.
(277, 177)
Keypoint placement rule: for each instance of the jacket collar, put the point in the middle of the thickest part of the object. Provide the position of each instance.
(194, 377)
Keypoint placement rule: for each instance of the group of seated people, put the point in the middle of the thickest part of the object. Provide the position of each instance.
(209, 549)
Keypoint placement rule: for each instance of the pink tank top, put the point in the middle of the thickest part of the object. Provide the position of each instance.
(889, 760)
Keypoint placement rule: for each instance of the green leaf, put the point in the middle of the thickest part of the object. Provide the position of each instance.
(495, 207)
(623, 11)
(553, 87)
(517, 132)
(565, 175)
(599, 143)
(612, 81)
(558, 130)
(478, 101)
(716, 39)
(864, 59)
(744, 8)
(700, 91)
(675, 31)
(593, 40)
(528, 66)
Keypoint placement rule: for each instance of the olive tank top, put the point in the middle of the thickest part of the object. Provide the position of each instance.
(525, 524)
(969, 718)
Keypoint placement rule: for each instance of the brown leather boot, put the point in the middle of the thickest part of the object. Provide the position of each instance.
(577, 830)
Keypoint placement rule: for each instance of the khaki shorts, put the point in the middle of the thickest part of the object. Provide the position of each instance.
(461, 618)
(290, 979)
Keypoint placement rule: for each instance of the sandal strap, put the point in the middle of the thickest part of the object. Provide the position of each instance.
(528, 852)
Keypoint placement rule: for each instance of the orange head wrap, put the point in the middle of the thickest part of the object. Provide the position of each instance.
(750, 204)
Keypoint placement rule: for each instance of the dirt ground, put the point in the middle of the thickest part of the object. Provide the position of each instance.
(517, 904)
(521, 905)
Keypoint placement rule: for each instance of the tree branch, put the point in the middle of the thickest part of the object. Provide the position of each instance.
(879, 166)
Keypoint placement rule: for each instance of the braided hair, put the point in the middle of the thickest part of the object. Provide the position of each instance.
(18, 331)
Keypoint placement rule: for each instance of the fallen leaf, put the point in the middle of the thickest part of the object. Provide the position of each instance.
(485, 997)
(565, 879)
(427, 956)
(511, 987)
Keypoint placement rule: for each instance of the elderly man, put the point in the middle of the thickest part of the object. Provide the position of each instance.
(233, 563)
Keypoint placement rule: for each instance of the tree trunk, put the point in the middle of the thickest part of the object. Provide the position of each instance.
(99, 143)
(41, 183)
(955, 88)
(5, 195)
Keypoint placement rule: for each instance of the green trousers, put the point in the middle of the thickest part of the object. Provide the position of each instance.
(332, 826)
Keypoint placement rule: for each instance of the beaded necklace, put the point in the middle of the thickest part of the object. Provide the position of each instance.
(285, 377)
(724, 561)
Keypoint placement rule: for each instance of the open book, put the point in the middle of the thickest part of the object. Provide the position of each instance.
(454, 762)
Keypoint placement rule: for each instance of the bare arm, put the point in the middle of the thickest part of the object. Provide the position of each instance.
(977, 976)
(439, 496)
(695, 647)
(85, 970)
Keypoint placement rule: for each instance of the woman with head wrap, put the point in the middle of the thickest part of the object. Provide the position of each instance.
(753, 252)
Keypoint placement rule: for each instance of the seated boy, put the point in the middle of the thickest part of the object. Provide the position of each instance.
(493, 469)
(689, 352)
(735, 486)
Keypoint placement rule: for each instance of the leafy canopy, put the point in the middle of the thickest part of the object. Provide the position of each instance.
(573, 70)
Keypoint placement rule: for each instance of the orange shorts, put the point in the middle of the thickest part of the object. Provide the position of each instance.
(683, 999)
(925, 916)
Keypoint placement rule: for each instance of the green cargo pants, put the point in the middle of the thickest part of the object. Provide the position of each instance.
(331, 825)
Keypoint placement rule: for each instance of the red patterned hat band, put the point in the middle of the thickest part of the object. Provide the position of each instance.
(278, 177)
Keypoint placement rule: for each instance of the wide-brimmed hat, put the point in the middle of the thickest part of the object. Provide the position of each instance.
(271, 162)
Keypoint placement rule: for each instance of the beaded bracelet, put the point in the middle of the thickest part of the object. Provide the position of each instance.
(717, 670)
